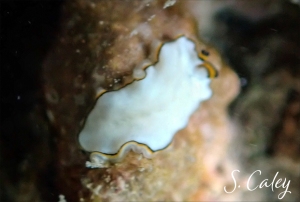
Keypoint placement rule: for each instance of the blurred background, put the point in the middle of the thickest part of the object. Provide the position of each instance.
(259, 39)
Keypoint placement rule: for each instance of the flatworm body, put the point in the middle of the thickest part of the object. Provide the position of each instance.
(146, 114)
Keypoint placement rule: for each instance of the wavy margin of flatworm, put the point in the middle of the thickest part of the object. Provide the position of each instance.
(133, 145)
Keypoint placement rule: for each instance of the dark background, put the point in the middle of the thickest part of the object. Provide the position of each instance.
(27, 30)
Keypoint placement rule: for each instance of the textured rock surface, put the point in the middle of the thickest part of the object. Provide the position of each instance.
(100, 45)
